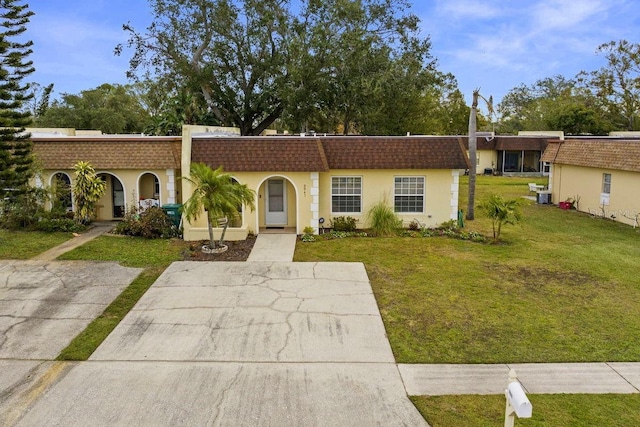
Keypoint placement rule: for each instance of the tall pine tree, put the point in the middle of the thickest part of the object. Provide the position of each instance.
(15, 145)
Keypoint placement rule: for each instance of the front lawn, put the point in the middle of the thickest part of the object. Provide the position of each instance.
(549, 410)
(562, 287)
(27, 244)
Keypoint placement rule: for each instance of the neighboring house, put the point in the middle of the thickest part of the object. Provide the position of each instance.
(300, 180)
(511, 155)
(602, 176)
(139, 171)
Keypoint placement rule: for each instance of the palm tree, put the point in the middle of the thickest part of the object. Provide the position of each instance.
(473, 143)
(219, 195)
(501, 212)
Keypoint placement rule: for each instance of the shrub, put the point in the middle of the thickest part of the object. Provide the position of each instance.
(383, 220)
(57, 221)
(343, 223)
(308, 234)
(151, 224)
(414, 225)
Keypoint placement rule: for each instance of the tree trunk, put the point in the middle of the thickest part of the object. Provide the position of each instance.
(224, 230)
(473, 142)
(212, 242)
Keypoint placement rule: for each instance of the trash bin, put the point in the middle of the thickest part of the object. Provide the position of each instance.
(543, 197)
(173, 211)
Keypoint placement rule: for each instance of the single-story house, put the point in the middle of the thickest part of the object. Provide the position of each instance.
(139, 171)
(601, 176)
(511, 155)
(302, 180)
(299, 181)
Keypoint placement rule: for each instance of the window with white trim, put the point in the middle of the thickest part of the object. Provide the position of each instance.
(346, 194)
(408, 194)
(606, 183)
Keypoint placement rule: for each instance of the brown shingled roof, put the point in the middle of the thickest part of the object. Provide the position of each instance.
(268, 154)
(336, 152)
(109, 153)
(400, 152)
(596, 153)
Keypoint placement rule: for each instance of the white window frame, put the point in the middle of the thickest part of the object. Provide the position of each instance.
(606, 183)
(405, 191)
(338, 191)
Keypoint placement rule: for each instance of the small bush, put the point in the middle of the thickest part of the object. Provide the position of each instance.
(153, 223)
(383, 220)
(343, 223)
(308, 234)
(414, 225)
(58, 224)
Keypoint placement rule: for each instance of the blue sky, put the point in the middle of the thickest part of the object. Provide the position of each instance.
(491, 44)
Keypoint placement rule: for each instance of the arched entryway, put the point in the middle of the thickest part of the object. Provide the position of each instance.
(277, 207)
(112, 205)
(62, 197)
(148, 190)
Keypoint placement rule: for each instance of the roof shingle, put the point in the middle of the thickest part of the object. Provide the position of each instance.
(596, 153)
(289, 154)
(109, 153)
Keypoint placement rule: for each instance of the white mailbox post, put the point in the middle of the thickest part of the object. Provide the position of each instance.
(517, 401)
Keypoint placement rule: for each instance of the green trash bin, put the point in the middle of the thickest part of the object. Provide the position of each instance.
(173, 211)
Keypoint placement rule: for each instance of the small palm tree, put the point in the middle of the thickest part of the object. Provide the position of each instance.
(501, 212)
(218, 194)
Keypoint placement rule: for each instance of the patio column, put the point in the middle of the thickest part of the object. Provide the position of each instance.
(314, 192)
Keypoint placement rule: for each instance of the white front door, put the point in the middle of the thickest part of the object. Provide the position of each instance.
(276, 209)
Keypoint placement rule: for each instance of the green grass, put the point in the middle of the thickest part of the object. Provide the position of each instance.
(152, 255)
(549, 410)
(561, 287)
(27, 244)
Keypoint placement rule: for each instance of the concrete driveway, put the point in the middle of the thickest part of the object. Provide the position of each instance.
(44, 305)
(240, 344)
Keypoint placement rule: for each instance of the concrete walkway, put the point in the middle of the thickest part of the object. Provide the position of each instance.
(96, 230)
(536, 378)
(273, 247)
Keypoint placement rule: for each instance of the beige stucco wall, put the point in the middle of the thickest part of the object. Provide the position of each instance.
(309, 198)
(299, 209)
(586, 184)
(488, 159)
(130, 179)
(441, 194)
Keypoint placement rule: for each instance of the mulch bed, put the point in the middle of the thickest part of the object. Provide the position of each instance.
(238, 251)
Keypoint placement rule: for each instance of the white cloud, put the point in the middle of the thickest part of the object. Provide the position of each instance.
(568, 15)
(469, 9)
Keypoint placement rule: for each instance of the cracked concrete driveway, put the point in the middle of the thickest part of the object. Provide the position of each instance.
(240, 344)
(44, 305)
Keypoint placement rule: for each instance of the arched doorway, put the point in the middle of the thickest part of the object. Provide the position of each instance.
(112, 204)
(148, 190)
(278, 205)
(62, 200)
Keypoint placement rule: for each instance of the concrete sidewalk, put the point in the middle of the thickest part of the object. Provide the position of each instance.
(96, 230)
(536, 378)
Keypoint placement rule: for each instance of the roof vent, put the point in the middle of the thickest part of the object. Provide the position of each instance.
(488, 136)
